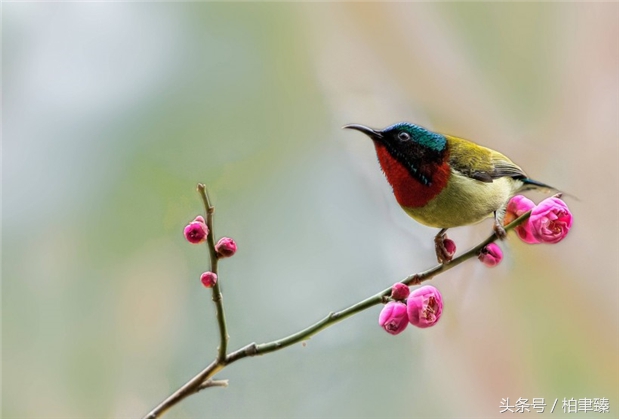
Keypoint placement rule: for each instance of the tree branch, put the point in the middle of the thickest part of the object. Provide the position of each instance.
(381, 297)
(204, 378)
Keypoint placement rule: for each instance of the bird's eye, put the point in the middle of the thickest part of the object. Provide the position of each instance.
(404, 136)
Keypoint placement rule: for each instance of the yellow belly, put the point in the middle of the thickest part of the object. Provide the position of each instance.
(465, 201)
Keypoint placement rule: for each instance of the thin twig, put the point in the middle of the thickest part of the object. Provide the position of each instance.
(217, 297)
(213, 383)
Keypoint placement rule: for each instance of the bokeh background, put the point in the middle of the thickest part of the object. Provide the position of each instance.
(112, 114)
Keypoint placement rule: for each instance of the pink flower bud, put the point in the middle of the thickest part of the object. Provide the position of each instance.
(490, 255)
(225, 247)
(199, 219)
(196, 232)
(450, 246)
(393, 317)
(517, 206)
(209, 279)
(424, 306)
(550, 220)
(399, 291)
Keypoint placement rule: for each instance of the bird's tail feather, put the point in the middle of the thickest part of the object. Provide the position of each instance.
(531, 184)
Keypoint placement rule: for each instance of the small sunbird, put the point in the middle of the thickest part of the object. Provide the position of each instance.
(444, 181)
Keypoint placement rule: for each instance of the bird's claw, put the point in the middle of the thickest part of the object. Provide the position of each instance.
(443, 256)
(500, 231)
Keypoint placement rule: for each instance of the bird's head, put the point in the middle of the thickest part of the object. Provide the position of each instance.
(414, 147)
(410, 140)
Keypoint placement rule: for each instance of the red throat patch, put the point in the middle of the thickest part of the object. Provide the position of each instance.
(408, 191)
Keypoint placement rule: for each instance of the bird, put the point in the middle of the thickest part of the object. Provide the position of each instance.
(443, 181)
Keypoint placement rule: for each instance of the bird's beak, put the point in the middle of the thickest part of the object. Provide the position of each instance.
(372, 133)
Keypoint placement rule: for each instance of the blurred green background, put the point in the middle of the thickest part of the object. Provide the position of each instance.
(112, 114)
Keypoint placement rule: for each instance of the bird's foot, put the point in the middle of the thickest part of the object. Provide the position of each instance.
(499, 231)
(445, 248)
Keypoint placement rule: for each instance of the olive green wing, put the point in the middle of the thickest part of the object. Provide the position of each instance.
(479, 162)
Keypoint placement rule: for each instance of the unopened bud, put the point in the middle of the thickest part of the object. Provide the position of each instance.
(225, 247)
(450, 246)
(490, 255)
(209, 279)
(399, 291)
(393, 317)
(196, 232)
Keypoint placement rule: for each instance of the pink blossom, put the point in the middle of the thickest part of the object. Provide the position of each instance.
(196, 232)
(393, 317)
(209, 279)
(450, 246)
(550, 220)
(399, 291)
(517, 206)
(424, 306)
(490, 255)
(225, 247)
